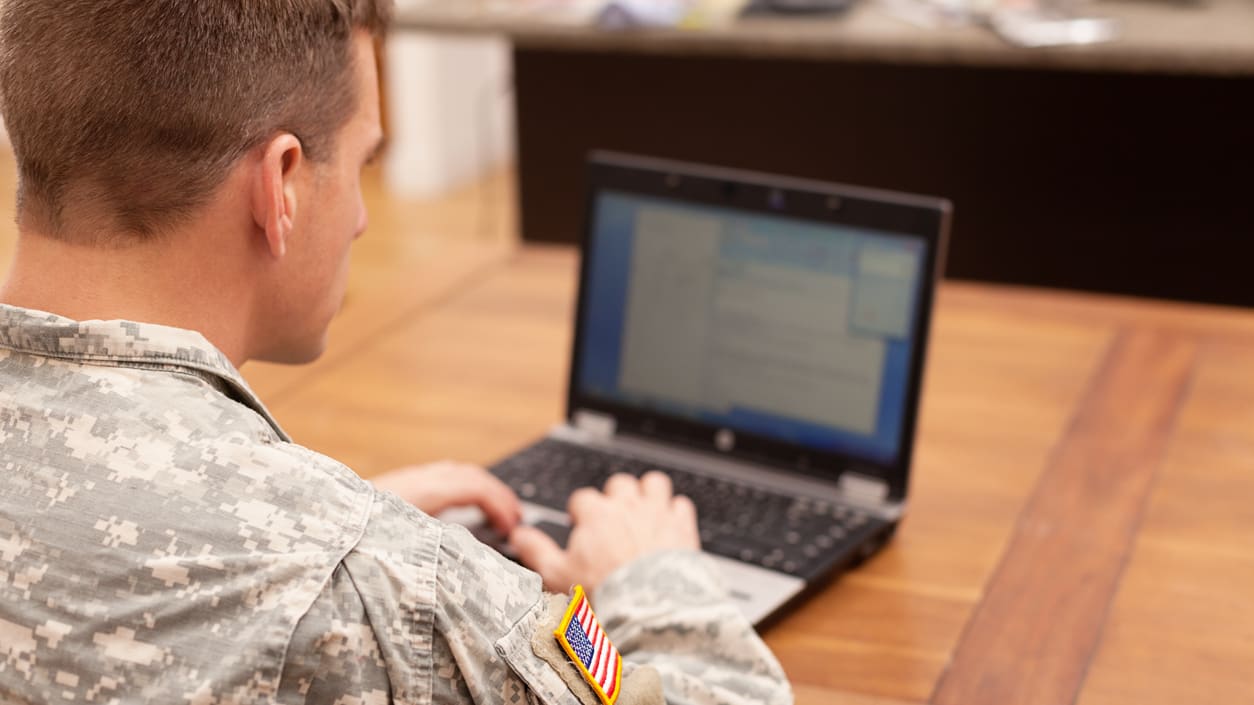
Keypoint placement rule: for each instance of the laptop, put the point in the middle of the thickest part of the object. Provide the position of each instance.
(762, 340)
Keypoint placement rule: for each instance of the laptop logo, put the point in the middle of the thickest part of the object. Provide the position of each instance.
(725, 440)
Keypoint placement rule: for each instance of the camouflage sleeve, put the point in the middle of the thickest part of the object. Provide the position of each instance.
(422, 609)
(333, 656)
(671, 611)
(451, 620)
(668, 610)
(488, 609)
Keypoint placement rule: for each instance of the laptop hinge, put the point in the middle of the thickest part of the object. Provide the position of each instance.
(863, 489)
(596, 425)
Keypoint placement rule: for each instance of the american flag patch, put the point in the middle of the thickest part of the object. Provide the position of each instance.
(589, 647)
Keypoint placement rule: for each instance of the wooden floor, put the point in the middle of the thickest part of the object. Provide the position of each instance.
(1080, 526)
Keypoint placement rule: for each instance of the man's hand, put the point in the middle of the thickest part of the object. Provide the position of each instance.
(631, 519)
(446, 484)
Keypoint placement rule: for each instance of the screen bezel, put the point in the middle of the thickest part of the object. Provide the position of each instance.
(899, 214)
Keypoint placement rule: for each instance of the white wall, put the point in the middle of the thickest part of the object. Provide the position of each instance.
(450, 111)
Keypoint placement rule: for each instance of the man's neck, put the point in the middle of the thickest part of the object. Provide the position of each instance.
(172, 281)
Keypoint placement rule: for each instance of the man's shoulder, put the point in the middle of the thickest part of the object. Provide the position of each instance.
(138, 417)
(208, 535)
(172, 451)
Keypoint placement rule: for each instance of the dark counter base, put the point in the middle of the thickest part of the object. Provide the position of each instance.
(1124, 183)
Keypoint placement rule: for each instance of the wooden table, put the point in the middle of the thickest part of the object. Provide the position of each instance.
(1079, 522)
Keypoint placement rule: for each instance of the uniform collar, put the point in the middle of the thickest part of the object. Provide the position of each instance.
(127, 343)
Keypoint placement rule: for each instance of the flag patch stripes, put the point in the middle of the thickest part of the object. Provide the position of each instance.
(589, 647)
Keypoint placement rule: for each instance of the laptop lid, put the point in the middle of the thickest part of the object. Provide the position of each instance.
(777, 321)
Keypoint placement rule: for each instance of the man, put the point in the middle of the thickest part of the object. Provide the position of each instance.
(188, 192)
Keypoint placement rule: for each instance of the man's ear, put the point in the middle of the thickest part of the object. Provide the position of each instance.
(274, 190)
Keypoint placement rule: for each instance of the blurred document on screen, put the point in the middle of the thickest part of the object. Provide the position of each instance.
(884, 291)
(782, 347)
(723, 322)
(672, 272)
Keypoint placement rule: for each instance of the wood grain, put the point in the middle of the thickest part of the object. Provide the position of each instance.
(1182, 628)
(1180, 632)
(1035, 631)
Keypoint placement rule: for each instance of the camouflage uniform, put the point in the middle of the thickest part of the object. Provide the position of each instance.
(162, 540)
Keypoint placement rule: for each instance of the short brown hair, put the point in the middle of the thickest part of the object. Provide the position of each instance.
(139, 108)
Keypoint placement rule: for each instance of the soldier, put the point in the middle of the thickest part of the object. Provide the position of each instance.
(188, 194)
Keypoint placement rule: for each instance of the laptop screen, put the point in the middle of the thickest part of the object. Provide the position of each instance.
(794, 330)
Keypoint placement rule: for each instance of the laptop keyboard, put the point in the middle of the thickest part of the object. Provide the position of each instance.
(794, 535)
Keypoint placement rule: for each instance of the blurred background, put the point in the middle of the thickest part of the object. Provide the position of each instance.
(1096, 145)
(1099, 146)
